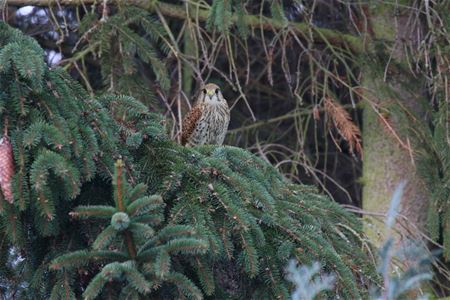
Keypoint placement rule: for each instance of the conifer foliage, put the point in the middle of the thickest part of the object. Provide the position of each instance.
(117, 43)
(62, 139)
(135, 251)
(254, 221)
(434, 167)
(224, 227)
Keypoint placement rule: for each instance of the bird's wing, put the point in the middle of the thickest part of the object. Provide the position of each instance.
(190, 122)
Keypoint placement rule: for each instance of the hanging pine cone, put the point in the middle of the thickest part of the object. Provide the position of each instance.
(6, 168)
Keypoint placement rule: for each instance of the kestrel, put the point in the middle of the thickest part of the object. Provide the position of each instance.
(207, 122)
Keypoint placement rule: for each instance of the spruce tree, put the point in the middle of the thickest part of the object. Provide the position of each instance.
(221, 223)
(136, 254)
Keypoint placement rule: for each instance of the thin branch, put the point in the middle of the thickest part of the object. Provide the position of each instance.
(321, 35)
(292, 114)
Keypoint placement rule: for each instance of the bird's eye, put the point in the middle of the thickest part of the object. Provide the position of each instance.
(204, 91)
(217, 91)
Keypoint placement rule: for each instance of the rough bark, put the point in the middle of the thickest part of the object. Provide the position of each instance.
(394, 106)
(389, 158)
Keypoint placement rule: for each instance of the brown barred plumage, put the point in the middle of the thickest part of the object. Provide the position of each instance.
(207, 122)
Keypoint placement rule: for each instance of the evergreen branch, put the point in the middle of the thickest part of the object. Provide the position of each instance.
(149, 219)
(119, 182)
(162, 264)
(82, 258)
(185, 285)
(249, 257)
(135, 193)
(175, 231)
(104, 238)
(205, 276)
(119, 191)
(49, 160)
(95, 286)
(62, 289)
(42, 130)
(134, 277)
(130, 244)
(144, 205)
(99, 211)
(187, 246)
(141, 231)
(328, 36)
(116, 270)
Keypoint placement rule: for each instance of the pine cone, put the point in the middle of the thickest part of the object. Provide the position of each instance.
(6, 168)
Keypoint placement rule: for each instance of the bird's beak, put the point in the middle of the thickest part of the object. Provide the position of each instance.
(210, 92)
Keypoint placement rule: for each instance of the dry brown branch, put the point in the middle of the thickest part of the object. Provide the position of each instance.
(344, 124)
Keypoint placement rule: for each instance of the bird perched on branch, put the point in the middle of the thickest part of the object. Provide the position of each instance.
(207, 122)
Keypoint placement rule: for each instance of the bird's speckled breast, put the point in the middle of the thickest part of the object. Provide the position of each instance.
(212, 126)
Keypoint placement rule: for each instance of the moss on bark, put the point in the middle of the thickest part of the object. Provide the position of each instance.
(387, 160)
(394, 106)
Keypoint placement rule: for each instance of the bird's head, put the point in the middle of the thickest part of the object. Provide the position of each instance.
(211, 94)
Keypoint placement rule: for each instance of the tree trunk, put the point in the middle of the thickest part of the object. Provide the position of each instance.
(394, 100)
